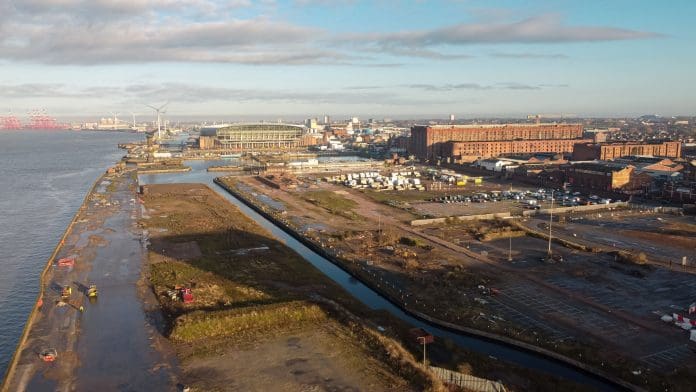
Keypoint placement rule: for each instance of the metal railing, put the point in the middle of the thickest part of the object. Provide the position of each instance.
(467, 381)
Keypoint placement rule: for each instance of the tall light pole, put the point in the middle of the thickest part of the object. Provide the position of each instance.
(550, 223)
(510, 237)
(423, 338)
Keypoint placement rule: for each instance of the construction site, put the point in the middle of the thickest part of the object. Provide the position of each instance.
(245, 312)
(611, 288)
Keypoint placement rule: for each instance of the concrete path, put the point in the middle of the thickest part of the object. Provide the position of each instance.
(114, 344)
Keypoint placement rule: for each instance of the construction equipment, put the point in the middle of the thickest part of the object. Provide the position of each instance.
(181, 293)
(66, 262)
(92, 291)
(48, 354)
(66, 292)
(186, 295)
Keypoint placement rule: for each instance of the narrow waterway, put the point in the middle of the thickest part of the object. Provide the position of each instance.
(373, 300)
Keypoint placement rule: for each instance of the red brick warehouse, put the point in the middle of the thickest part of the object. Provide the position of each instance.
(485, 141)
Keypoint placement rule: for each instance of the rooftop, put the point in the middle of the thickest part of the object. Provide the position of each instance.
(472, 126)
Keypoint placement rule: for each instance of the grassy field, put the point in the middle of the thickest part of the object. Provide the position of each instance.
(332, 202)
(400, 196)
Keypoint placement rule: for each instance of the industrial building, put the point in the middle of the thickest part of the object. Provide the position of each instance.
(607, 151)
(471, 142)
(252, 137)
(605, 176)
(470, 151)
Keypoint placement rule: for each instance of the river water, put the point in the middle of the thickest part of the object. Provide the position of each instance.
(44, 176)
(370, 298)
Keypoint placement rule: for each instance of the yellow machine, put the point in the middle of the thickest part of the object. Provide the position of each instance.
(67, 291)
(92, 291)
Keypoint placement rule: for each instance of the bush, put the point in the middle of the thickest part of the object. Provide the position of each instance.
(631, 258)
(408, 241)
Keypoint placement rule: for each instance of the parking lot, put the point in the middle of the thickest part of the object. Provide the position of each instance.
(559, 319)
(642, 293)
(490, 202)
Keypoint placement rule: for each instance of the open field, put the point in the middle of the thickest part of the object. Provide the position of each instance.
(588, 307)
(262, 316)
(320, 360)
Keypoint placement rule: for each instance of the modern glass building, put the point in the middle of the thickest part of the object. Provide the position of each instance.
(258, 136)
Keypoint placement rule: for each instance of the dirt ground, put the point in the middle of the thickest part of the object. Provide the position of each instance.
(232, 264)
(662, 237)
(588, 307)
(316, 360)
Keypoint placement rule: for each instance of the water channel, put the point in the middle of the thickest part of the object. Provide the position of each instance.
(367, 296)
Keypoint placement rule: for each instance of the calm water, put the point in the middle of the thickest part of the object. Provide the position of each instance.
(44, 176)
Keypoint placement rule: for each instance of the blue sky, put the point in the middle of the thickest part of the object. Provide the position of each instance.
(300, 58)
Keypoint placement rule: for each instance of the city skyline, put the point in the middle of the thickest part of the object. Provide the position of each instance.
(380, 58)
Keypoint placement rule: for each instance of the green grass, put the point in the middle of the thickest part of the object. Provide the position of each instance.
(400, 196)
(246, 322)
(332, 202)
(211, 289)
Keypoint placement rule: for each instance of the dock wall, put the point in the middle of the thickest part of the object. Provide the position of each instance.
(42, 287)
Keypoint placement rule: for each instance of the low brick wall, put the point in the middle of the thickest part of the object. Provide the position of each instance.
(557, 210)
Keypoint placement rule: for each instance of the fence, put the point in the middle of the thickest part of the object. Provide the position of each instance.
(556, 210)
(467, 381)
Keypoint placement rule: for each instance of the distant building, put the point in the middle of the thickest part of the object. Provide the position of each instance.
(690, 172)
(312, 124)
(605, 176)
(607, 151)
(470, 151)
(470, 142)
(495, 165)
(596, 135)
(252, 136)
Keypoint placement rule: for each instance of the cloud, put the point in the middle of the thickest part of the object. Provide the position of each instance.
(324, 3)
(415, 52)
(247, 41)
(527, 55)
(89, 32)
(140, 31)
(477, 86)
(546, 28)
(182, 93)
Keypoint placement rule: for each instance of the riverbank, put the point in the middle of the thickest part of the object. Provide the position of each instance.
(387, 290)
(104, 343)
(258, 308)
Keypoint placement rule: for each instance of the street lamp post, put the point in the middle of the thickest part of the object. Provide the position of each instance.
(550, 223)
(509, 238)
(423, 339)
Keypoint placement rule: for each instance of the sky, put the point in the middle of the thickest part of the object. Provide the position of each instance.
(217, 59)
